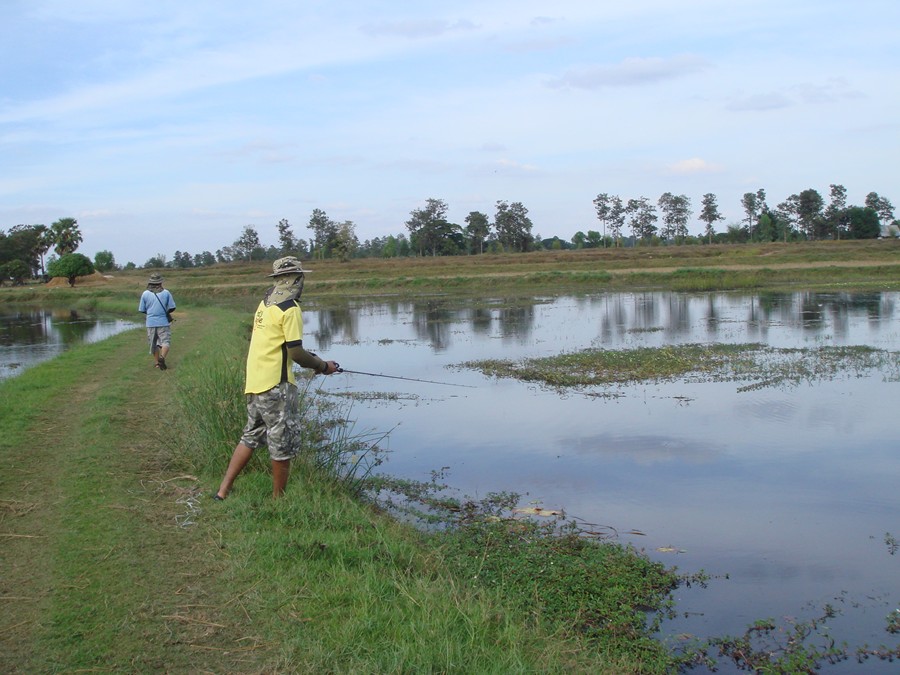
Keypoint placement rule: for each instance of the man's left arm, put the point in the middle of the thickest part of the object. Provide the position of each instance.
(307, 359)
(293, 332)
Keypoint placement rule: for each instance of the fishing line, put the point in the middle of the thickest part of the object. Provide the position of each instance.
(409, 379)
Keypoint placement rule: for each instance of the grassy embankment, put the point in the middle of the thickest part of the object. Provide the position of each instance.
(837, 265)
(114, 558)
(845, 265)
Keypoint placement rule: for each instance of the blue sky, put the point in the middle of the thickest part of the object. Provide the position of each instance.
(170, 125)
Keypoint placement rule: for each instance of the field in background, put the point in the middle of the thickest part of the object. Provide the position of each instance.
(857, 265)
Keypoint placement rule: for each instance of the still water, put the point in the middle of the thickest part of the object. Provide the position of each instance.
(31, 336)
(788, 496)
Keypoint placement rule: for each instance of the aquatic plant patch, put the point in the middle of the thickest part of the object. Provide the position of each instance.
(754, 364)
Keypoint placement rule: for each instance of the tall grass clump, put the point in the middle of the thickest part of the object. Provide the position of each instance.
(213, 411)
(698, 279)
(704, 279)
(334, 445)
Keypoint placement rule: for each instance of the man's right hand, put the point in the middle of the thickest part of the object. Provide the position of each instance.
(331, 368)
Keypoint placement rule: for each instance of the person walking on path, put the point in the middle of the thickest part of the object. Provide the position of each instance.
(158, 304)
(276, 343)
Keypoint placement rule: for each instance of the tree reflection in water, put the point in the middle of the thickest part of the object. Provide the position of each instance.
(30, 336)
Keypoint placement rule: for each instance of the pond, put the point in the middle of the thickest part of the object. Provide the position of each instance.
(786, 495)
(30, 336)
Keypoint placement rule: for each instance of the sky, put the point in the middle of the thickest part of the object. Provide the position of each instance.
(170, 126)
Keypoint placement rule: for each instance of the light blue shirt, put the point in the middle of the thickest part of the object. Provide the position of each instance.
(155, 306)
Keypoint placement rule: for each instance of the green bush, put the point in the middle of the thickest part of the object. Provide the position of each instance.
(71, 266)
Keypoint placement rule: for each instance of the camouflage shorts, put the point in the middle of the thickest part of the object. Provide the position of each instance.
(273, 419)
(159, 336)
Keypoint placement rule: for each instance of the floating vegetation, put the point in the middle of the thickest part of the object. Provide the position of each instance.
(757, 365)
(796, 646)
(374, 395)
(893, 622)
(539, 511)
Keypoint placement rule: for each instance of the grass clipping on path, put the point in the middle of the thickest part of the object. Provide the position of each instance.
(755, 364)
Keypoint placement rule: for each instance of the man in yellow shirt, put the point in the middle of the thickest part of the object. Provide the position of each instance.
(276, 344)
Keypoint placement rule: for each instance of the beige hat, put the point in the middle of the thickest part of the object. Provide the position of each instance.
(287, 265)
(155, 278)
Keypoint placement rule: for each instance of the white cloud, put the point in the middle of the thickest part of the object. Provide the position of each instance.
(760, 102)
(834, 90)
(632, 71)
(694, 165)
(417, 28)
(515, 166)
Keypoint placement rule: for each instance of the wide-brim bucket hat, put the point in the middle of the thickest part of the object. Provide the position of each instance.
(287, 265)
(155, 278)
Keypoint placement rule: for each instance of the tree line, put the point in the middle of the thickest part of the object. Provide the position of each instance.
(428, 233)
(623, 221)
(800, 216)
(23, 248)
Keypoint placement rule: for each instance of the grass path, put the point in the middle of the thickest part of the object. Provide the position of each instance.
(98, 572)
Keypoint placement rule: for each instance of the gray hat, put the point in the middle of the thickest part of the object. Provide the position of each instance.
(287, 265)
(155, 278)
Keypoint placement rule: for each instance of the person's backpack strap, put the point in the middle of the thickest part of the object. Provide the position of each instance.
(165, 309)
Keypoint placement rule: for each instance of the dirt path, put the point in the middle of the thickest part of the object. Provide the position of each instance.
(100, 567)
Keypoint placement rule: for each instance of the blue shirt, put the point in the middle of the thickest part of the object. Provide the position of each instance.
(155, 306)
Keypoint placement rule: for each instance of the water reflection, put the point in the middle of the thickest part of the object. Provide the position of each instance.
(340, 321)
(30, 336)
(625, 318)
(481, 320)
(432, 320)
(788, 491)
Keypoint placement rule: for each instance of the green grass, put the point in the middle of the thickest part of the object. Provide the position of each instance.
(90, 532)
(566, 582)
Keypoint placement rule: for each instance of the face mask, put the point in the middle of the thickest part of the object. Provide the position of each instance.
(289, 287)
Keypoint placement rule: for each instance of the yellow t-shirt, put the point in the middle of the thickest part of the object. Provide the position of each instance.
(275, 329)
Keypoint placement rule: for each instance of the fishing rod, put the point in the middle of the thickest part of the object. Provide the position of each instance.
(398, 377)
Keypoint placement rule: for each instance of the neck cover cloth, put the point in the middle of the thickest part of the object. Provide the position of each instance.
(287, 287)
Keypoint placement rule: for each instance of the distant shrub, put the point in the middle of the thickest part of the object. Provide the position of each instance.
(71, 266)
